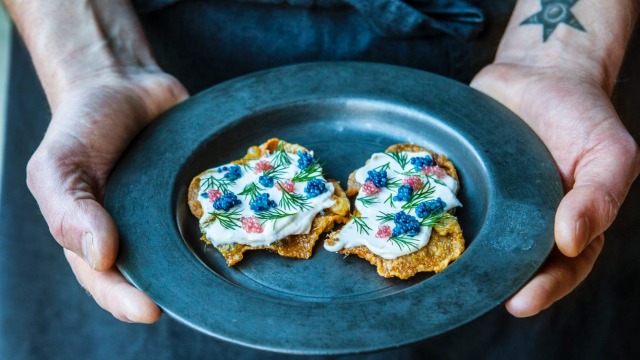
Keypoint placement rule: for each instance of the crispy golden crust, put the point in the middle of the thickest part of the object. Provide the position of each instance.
(445, 244)
(296, 246)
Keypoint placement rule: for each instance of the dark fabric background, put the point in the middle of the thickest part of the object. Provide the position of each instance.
(44, 314)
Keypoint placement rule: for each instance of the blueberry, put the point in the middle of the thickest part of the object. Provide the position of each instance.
(266, 181)
(233, 174)
(379, 178)
(305, 160)
(314, 188)
(226, 201)
(262, 203)
(420, 162)
(405, 224)
(427, 208)
(404, 193)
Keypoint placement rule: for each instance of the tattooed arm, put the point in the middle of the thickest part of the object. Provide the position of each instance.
(556, 67)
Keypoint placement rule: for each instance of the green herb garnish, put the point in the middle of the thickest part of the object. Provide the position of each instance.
(368, 200)
(274, 214)
(420, 195)
(221, 184)
(435, 220)
(393, 183)
(246, 166)
(281, 157)
(385, 217)
(291, 200)
(228, 220)
(389, 200)
(400, 157)
(436, 180)
(409, 172)
(383, 167)
(361, 225)
(403, 241)
(277, 172)
(252, 190)
(311, 172)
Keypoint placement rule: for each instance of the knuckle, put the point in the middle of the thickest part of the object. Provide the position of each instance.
(37, 179)
(34, 169)
(57, 228)
(611, 205)
(175, 88)
(627, 147)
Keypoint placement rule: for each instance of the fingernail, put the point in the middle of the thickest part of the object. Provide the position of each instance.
(582, 233)
(87, 248)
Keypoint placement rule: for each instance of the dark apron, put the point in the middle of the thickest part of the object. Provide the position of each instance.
(206, 42)
(45, 314)
(392, 18)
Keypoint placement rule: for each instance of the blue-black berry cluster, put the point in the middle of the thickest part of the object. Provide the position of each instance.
(420, 162)
(305, 159)
(262, 203)
(379, 178)
(266, 181)
(226, 201)
(233, 174)
(405, 224)
(314, 188)
(427, 208)
(404, 193)
(223, 169)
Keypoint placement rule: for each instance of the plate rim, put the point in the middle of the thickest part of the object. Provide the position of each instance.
(251, 84)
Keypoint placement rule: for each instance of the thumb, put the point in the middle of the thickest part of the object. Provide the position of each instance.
(602, 179)
(76, 220)
(88, 230)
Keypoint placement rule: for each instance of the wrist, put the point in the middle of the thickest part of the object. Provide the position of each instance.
(75, 41)
(588, 41)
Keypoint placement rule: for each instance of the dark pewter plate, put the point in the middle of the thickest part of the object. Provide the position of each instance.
(330, 304)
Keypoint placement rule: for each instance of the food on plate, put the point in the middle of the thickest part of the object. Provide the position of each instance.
(403, 220)
(274, 198)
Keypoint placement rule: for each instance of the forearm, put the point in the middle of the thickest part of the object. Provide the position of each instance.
(74, 40)
(591, 38)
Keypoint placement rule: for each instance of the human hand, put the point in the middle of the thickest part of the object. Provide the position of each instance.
(597, 158)
(94, 119)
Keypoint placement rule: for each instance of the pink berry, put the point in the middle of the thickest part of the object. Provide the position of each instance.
(262, 165)
(412, 181)
(288, 186)
(384, 231)
(213, 194)
(369, 188)
(251, 225)
(434, 170)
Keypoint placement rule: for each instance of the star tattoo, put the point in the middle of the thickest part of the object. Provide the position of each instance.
(554, 13)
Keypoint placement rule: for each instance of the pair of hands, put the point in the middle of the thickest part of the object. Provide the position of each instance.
(94, 121)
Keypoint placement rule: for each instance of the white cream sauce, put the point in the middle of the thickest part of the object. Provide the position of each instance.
(272, 230)
(353, 235)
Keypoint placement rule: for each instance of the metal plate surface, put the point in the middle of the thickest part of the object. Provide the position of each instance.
(330, 304)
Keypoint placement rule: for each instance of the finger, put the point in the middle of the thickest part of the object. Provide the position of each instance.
(601, 184)
(557, 278)
(76, 220)
(113, 293)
